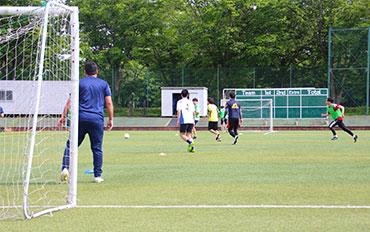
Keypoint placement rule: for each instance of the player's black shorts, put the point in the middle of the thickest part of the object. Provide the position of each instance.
(337, 123)
(223, 121)
(233, 123)
(186, 128)
(212, 125)
(2, 129)
(196, 122)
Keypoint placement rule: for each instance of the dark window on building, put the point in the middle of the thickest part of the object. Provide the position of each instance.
(9, 95)
(6, 95)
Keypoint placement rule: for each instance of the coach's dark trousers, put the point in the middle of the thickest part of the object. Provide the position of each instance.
(95, 130)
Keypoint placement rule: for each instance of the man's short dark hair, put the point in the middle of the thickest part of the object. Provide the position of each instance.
(184, 93)
(91, 68)
(330, 99)
(195, 99)
(210, 100)
(232, 95)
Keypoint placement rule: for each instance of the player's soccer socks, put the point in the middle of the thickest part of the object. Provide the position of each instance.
(189, 141)
(218, 137)
(236, 139)
(232, 133)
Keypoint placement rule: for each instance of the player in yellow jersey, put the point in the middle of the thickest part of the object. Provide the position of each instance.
(213, 119)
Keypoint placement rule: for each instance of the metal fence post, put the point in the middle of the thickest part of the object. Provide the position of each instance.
(182, 76)
(112, 85)
(254, 77)
(368, 71)
(329, 62)
(218, 82)
(290, 75)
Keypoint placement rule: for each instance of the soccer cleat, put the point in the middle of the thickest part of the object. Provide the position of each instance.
(64, 176)
(235, 140)
(334, 138)
(355, 137)
(195, 137)
(191, 147)
(98, 179)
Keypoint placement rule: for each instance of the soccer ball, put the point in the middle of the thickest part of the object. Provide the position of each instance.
(126, 136)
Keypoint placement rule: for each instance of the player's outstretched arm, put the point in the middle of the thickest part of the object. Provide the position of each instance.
(342, 109)
(62, 119)
(109, 105)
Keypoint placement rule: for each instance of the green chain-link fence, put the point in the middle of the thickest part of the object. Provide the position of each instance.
(348, 66)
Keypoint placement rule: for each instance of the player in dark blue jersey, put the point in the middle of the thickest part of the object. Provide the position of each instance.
(235, 117)
(94, 93)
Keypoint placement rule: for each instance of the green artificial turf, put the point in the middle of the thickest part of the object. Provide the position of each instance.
(283, 168)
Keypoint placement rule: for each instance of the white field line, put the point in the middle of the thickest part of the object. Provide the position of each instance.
(207, 207)
(228, 206)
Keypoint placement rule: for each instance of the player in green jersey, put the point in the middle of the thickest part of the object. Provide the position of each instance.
(336, 112)
(223, 118)
(196, 117)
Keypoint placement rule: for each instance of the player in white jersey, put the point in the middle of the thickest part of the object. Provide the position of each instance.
(185, 119)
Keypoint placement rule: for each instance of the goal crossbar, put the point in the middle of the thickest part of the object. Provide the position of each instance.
(55, 9)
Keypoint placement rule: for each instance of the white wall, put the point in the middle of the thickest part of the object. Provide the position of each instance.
(166, 101)
(54, 95)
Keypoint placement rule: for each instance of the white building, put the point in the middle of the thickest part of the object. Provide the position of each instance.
(19, 97)
(170, 96)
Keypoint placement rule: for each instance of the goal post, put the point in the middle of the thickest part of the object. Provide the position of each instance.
(39, 71)
(258, 113)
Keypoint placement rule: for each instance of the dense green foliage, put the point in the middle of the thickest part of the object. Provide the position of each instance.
(142, 45)
(156, 43)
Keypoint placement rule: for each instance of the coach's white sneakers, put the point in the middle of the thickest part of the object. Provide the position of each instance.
(64, 176)
(98, 179)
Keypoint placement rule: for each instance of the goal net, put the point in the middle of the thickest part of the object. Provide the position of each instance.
(257, 114)
(38, 72)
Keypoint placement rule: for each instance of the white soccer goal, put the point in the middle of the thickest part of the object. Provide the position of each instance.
(258, 113)
(39, 71)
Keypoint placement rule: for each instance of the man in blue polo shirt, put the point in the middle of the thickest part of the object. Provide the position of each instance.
(93, 94)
